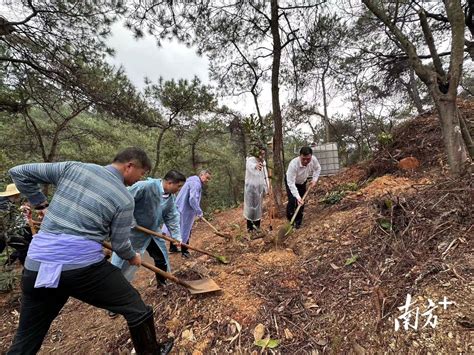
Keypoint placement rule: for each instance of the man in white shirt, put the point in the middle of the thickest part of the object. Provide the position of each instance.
(299, 169)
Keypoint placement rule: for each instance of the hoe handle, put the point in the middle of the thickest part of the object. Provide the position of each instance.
(299, 206)
(210, 225)
(165, 237)
(156, 270)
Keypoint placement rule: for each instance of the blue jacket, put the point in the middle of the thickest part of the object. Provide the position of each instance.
(152, 210)
(188, 203)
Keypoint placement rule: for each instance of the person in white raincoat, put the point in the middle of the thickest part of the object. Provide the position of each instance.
(256, 185)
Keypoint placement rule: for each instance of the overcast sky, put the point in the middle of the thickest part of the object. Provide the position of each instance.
(143, 58)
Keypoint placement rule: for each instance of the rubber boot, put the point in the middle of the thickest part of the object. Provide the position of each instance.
(173, 248)
(160, 280)
(185, 252)
(144, 338)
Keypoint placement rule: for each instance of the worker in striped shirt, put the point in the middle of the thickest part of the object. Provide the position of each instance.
(65, 258)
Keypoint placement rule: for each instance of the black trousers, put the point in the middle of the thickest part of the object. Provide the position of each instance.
(159, 259)
(293, 203)
(101, 285)
(253, 225)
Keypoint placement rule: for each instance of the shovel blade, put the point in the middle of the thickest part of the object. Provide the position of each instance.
(223, 235)
(284, 232)
(202, 286)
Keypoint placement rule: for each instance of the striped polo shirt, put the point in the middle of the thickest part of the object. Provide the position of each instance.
(90, 201)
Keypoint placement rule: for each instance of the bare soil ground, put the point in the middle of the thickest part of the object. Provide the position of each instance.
(334, 286)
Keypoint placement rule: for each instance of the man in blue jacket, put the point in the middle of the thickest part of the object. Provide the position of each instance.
(155, 205)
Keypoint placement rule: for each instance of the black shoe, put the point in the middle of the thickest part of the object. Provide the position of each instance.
(161, 284)
(173, 248)
(166, 346)
(297, 225)
(185, 254)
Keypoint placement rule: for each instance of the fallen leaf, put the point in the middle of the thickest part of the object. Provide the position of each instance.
(288, 334)
(359, 350)
(173, 324)
(259, 332)
(351, 260)
(267, 343)
(188, 335)
(310, 304)
(321, 342)
(385, 224)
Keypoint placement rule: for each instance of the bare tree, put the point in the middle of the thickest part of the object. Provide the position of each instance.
(442, 85)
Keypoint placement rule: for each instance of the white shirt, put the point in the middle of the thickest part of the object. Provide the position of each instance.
(298, 174)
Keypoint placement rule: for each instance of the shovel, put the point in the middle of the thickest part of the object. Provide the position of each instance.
(219, 258)
(194, 287)
(286, 229)
(216, 232)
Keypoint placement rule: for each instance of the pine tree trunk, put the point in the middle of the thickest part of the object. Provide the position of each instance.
(436, 81)
(158, 149)
(277, 119)
(451, 130)
(193, 156)
(325, 104)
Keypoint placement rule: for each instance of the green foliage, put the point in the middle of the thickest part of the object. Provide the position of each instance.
(333, 197)
(58, 36)
(351, 260)
(96, 138)
(385, 139)
(181, 100)
(89, 138)
(5, 164)
(388, 203)
(258, 132)
(338, 193)
(226, 187)
(350, 186)
(8, 279)
(385, 224)
(267, 343)
(11, 222)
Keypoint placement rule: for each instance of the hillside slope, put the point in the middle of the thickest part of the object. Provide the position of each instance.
(371, 235)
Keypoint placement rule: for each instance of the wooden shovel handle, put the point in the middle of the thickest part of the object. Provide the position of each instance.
(209, 224)
(156, 270)
(165, 237)
(299, 206)
(216, 232)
